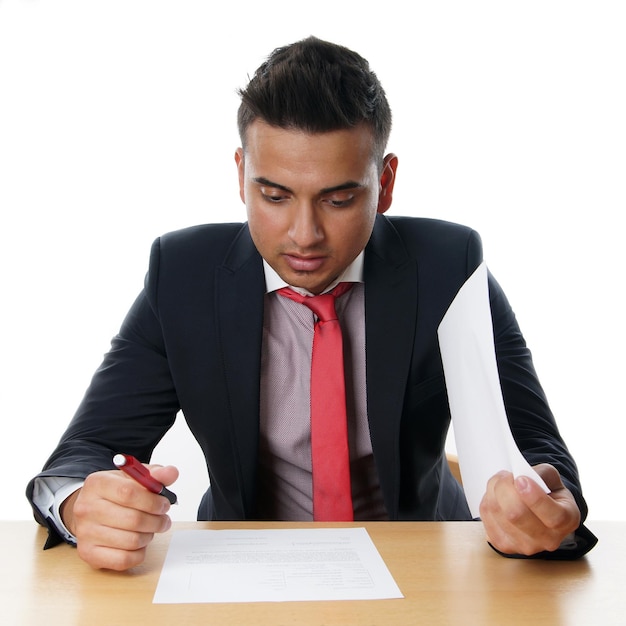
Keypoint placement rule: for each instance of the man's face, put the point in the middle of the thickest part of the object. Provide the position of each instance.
(311, 199)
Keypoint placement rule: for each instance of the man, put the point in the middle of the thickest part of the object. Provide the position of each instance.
(212, 335)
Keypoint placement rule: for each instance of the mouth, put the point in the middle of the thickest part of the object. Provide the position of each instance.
(303, 264)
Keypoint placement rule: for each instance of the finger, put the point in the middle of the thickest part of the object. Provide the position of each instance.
(92, 512)
(115, 537)
(509, 524)
(105, 546)
(128, 518)
(556, 511)
(104, 557)
(116, 487)
(492, 511)
(519, 517)
(132, 495)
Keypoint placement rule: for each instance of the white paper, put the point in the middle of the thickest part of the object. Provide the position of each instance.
(273, 565)
(484, 441)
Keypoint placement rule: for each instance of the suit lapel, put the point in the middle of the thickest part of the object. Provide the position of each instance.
(239, 303)
(390, 313)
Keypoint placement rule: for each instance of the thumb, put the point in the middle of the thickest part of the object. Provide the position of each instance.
(550, 476)
(167, 474)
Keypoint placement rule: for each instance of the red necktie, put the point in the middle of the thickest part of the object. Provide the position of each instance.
(332, 496)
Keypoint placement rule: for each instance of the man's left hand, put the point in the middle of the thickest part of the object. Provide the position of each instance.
(520, 518)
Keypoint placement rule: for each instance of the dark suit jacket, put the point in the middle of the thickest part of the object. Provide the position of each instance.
(192, 341)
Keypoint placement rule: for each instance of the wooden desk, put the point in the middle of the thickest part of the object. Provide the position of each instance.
(445, 570)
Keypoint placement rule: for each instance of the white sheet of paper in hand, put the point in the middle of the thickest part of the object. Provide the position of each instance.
(482, 434)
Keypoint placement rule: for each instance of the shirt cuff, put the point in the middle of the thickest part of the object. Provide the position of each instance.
(49, 493)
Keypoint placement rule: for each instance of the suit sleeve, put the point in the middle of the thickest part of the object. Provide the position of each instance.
(131, 401)
(531, 420)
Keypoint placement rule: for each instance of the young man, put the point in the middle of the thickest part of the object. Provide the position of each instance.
(212, 335)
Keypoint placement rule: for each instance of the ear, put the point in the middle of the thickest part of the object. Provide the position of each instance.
(387, 181)
(239, 160)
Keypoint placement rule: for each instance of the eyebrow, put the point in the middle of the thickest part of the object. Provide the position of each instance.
(261, 180)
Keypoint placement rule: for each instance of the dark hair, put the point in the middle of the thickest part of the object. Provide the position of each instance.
(316, 86)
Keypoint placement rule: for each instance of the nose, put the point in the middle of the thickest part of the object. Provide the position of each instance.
(306, 229)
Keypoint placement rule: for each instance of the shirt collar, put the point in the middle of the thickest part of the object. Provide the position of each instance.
(352, 274)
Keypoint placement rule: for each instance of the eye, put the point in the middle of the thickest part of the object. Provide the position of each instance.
(339, 202)
(273, 196)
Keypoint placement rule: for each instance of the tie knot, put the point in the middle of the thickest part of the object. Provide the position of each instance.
(323, 305)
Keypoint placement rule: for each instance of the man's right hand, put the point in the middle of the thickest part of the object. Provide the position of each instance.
(114, 518)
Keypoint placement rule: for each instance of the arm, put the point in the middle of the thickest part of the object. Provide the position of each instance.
(519, 518)
(130, 404)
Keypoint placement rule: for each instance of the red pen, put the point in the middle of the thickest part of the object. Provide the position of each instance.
(131, 466)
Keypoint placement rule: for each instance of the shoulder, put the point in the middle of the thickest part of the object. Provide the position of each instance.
(429, 229)
(201, 235)
(431, 240)
(205, 243)
(190, 256)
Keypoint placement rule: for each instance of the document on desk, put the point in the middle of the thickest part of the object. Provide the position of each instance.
(484, 441)
(273, 565)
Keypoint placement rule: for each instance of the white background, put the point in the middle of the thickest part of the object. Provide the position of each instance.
(117, 124)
